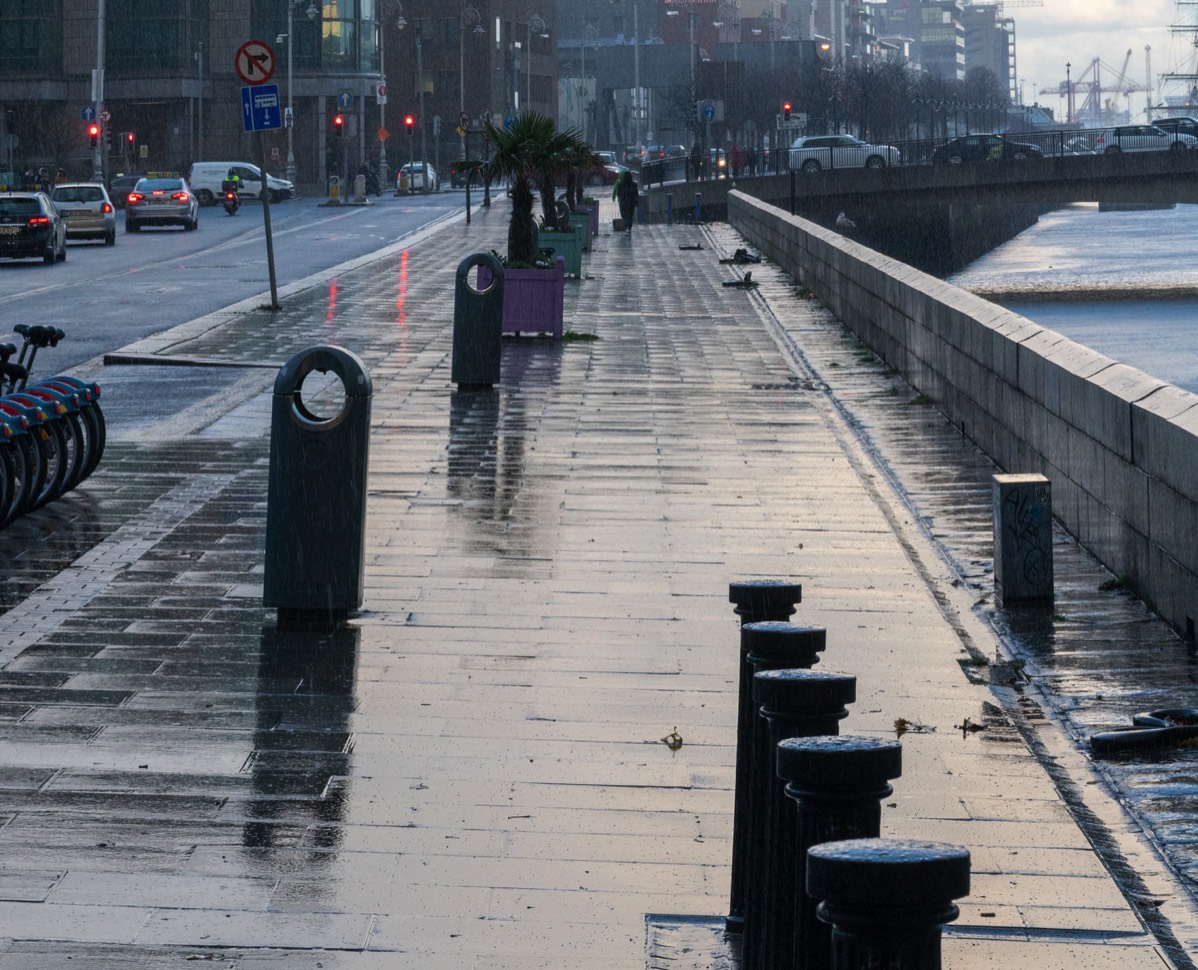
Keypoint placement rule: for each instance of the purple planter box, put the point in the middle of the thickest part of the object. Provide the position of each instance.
(533, 299)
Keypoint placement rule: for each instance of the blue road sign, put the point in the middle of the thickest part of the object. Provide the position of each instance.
(345, 100)
(708, 111)
(260, 108)
(509, 120)
(88, 113)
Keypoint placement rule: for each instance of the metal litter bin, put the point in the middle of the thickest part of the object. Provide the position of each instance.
(316, 495)
(477, 324)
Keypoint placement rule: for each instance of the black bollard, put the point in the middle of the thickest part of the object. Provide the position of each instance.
(838, 784)
(794, 704)
(886, 900)
(779, 645)
(757, 601)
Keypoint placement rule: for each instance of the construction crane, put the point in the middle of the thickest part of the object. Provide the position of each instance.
(1093, 111)
(1000, 5)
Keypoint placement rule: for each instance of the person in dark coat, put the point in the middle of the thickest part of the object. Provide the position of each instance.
(629, 197)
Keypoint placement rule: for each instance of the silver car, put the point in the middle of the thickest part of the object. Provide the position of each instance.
(86, 210)
(1141, 138)
(161, 202)
(815, 152)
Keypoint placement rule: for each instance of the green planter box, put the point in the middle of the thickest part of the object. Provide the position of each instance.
(568, 245)
(580, 222)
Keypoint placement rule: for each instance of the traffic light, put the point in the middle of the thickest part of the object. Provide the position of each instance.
(409, 123)
(786, 111)
(339, 125)
(93, 132)
(129, 138)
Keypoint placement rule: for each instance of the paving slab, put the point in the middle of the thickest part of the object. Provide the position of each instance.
(474, 773)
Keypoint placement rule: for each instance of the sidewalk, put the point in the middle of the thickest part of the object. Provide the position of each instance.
(473, 775)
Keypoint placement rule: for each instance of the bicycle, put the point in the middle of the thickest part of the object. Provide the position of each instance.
(66, 427)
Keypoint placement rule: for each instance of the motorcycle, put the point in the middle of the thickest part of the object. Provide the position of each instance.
(230, 199)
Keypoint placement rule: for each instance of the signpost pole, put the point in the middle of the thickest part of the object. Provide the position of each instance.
(270, 243)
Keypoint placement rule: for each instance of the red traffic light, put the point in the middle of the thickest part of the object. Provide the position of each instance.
(408, 122)
(93, 132)
(786, 110)
(339, 125)
(129, 137)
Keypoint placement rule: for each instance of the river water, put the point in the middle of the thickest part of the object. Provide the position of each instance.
(1124, 283)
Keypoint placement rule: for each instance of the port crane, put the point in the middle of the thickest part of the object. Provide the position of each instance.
(1093, 111)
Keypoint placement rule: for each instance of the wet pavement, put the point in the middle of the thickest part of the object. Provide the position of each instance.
(474, 773)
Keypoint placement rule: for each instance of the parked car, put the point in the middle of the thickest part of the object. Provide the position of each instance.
(812, 153)
(1180, 125)
(413, 177)
(86, 210)
(119, 188)
(31, 228)
(1141, 138)
(205, 179)
(983, 148)
(161, 202)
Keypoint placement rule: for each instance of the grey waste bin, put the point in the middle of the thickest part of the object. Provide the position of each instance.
(316, 495)
(477, 325)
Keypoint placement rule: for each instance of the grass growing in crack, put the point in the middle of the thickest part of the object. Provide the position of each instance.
(573, 336)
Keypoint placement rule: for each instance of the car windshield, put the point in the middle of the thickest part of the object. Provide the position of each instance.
(160, 185)
(81, 193)
(19, 208)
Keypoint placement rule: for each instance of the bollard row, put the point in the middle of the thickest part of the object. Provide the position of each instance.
(813, 885)
(52, 432)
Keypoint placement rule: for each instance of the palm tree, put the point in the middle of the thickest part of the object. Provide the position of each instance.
(528, 154)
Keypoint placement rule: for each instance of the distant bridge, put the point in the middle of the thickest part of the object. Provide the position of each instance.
(940, 217)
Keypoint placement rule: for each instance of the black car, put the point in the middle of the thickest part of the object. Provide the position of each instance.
(983, 148)
(120, 187)
(31, 228)
(1178, 126)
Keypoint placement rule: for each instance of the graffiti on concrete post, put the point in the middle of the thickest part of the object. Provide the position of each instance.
(1023, 540)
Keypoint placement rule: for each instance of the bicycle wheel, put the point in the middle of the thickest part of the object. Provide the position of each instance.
(75, 449)
(8, 477)
(93, 423)
(55, 456)
(27, 478)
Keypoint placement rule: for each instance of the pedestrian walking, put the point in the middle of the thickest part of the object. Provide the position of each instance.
(629, 197)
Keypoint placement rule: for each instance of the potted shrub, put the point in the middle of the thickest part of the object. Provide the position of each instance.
(534, 287)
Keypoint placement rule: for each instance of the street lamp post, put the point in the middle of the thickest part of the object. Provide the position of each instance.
(420, 112)
(1068, 94)
(469, 15)
(98, 92)
(589, 35)
(312, 11)
(537, 24)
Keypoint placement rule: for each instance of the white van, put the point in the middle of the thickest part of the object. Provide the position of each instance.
(206, 177)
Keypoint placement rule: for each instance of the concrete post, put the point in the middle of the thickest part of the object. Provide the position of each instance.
(838, 784)
(1023, 540)
(887, 899)
(794, 704)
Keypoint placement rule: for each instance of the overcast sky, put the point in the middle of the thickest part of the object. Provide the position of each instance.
(1077, 31)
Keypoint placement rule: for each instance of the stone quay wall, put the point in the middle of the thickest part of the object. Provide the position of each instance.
(1119, 446)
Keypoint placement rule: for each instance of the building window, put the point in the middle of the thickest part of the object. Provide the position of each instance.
(30, 36)
(268, 22)
(145, 37)
(338, 36)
